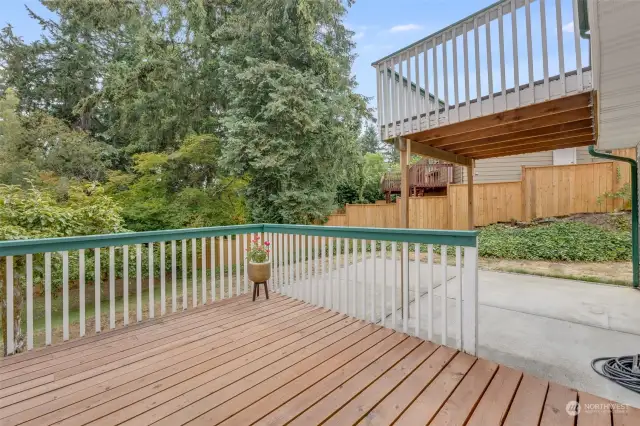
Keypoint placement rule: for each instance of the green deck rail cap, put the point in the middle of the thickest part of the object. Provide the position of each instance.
(421, 236)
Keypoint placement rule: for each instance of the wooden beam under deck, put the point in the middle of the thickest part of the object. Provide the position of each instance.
(561, 139)
(560, 123)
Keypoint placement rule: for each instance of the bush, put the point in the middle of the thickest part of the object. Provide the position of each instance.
(564, 241)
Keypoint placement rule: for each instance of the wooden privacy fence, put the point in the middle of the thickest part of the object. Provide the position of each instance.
(544, 191)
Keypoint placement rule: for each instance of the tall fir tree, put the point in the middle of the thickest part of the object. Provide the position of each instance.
(293, 119)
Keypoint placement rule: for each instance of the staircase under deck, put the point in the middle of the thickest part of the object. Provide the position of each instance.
(277, 361)
(565, 122)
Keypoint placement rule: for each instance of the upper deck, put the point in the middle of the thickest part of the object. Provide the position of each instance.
(517, 73)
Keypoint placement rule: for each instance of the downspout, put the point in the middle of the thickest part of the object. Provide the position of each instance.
(634, 206)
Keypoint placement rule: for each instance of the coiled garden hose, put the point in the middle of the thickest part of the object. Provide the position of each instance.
(624, 370)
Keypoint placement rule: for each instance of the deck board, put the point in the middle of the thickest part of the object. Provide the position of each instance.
(276, 362)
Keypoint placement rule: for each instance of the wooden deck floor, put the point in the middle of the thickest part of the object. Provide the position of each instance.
(280, 361)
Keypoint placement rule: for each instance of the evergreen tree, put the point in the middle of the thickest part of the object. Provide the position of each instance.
(292, 121)
(369, 140)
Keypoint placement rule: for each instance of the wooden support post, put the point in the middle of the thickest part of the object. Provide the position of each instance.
(405, 151)
(470, 213)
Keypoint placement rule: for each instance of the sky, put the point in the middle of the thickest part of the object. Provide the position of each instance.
(382, 26)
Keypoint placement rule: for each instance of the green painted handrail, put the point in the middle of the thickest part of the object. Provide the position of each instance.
(20, 247)
(423, 236)
(426, 236)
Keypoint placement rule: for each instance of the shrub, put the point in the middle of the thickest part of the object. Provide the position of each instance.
(564, 241)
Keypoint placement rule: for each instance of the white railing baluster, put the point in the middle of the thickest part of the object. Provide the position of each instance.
(503, 76)
(576, 38)
(298, 288)
(338, 291)
(285, 270)
(443, 297)
(416, 296)
(163, 276)
(194, 273)
(445, 77)
(487, 24)
(545, 58)
(9, 305)
(82, 284)
(281, 282)
(29, 301)
(47, 298)
(470, 301)
(238, 265)
(383, 301)
(405, 287)
(527, 13)
(112, 287)
(306, 256)
(203, 270)
(213, 269)
(427, 91)
(514, 42)
(455, 72)
(476, 45)
(435, 81)
(396, 96)
(459, 298)
(138, 282)
(394, 283)
(230, 265)
(97, 287)
(408, 100)
(387, 99)
(379, 96)
(401, 97)
(467, 90)
(331, 280)
(274, 261)
(174, 277)
(363, 289)
(291, 259)
(184, 275)
(417, 95)
(221, 248)
(246, 262)
(372, 284)
(65, 295)
(354, 287)
(316, 272)
(323, 272)
(152, 301)
(563, 86)
(430, 291)
(125, 286)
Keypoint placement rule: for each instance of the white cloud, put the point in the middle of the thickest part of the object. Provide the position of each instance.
(406, 27)
(568, 28)
(358, 36)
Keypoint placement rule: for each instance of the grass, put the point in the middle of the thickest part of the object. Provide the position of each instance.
(587, 278)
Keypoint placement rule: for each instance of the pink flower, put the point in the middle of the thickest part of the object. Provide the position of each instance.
(267, 243)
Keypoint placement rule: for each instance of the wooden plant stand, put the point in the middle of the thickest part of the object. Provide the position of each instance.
(256, 290)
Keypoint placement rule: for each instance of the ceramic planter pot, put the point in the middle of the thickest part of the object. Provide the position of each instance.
(259, 272)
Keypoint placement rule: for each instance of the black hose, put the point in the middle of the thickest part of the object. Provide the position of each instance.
(624, 370)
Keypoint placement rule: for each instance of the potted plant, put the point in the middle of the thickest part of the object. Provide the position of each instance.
(259, 269)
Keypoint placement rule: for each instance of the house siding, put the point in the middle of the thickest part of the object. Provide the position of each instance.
(503, 168)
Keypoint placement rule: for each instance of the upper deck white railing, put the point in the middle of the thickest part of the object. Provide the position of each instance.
(474, 66)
